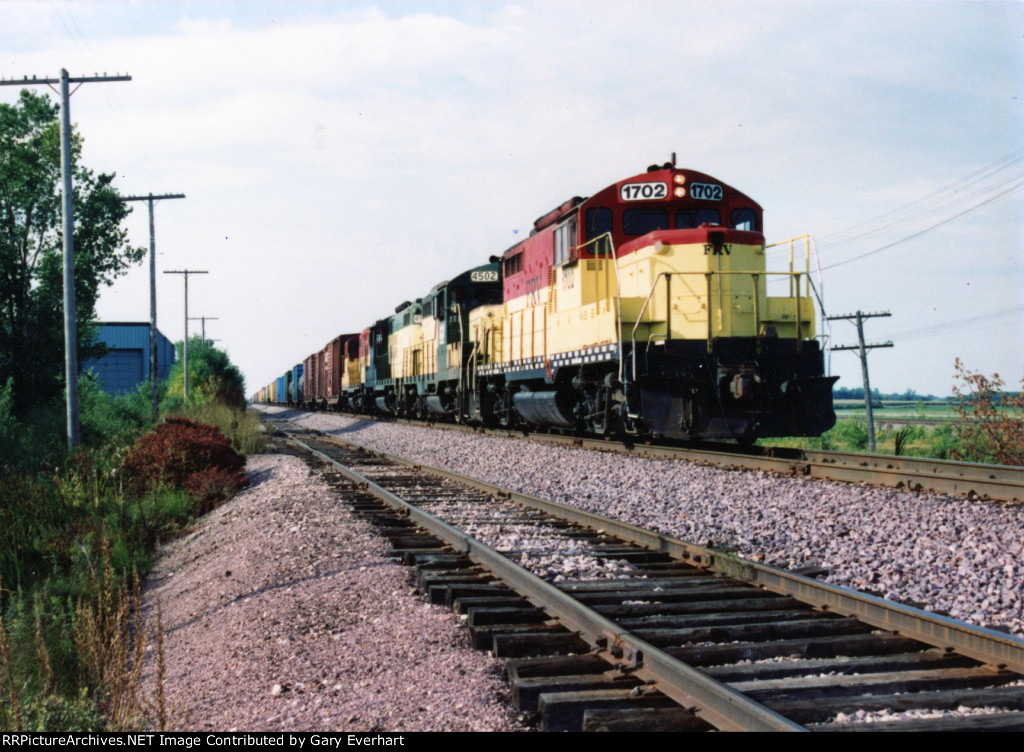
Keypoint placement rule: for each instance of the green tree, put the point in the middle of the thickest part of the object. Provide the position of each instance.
(212, 376)
(31, 241)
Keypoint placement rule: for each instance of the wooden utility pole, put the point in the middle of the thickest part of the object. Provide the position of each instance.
(204, 319)
(862, 351)
(153, 375)
(70, 325)
(186, 272)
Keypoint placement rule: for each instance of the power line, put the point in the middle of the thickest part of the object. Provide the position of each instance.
(961, 324)
(970, 210)
(933, 204)
(977, 190)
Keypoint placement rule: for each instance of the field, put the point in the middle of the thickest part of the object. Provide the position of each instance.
(913, 429)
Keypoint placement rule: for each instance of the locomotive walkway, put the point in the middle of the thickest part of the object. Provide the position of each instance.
(619, 628)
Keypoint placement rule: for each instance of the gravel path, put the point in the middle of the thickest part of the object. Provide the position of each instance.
(281, 612)
(945, 554)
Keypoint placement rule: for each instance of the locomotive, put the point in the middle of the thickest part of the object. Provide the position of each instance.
(641, 310)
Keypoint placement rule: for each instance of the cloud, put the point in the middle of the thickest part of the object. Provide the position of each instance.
(369, 151)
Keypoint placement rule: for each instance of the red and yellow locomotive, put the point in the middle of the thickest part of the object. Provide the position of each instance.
(643, 309)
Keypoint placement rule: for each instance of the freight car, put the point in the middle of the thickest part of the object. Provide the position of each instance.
(643, 309)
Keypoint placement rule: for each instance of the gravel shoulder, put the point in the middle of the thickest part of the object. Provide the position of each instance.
(281, 612)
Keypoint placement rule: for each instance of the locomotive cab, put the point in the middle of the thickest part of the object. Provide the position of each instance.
(447, 339)
(645, 308)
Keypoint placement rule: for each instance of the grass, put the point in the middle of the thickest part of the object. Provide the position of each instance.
(851, 435)
(241, 428)
(73, 546)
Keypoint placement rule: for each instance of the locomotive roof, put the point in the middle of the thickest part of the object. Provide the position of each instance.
(666, 172)
(463, 277)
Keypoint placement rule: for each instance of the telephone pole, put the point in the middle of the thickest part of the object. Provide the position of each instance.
(153, 375)
(70, 325)
(204, 319)
(863, 353)
(186, 272)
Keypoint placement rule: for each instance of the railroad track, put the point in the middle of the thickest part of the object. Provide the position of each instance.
(608, 626)
(967, 479)
(971, 480)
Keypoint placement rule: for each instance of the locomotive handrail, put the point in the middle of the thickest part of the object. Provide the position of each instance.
(806, 237)
(618, 287)
(755, 276)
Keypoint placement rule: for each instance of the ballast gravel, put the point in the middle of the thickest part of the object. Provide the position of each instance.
(945, 554)
(282, 612)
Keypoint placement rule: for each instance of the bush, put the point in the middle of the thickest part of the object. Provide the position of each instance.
(991, 427)
(181, 453)
(242, 428)
(108, 421)
(851, 433)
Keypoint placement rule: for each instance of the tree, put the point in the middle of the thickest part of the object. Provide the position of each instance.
(991, 427)
(31, 239)
(212, 376)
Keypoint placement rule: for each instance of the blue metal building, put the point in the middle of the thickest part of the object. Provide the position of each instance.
(126, 364)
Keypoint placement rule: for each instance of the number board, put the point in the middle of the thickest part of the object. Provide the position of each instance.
(485, 276)
(706, 191)
(643, 191)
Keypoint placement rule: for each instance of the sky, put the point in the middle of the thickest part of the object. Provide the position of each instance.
(339, 158)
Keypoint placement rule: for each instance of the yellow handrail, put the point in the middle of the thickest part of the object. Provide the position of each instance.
(755, 277)
(807, 258)
(613, 254)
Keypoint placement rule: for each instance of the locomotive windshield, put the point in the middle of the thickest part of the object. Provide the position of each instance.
(644, 220)
(687, 219)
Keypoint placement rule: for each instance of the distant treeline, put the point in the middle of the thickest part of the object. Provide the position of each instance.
(841, 393)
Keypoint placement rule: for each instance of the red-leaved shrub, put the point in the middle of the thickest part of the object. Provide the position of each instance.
(182, 453)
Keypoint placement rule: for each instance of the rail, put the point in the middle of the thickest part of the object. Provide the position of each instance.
(724, 707)
(720, 704)
(997, 648)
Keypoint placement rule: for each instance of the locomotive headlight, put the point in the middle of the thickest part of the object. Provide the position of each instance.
(679, 179)
(680, 192)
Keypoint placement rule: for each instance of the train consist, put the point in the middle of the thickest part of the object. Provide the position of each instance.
(642, 310)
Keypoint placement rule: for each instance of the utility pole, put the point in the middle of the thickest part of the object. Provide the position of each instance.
(186, 272)
(204, 319)
(70, 325)
(153, 375)
(863, 353)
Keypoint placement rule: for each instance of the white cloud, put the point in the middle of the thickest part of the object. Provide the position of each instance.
(356, 154)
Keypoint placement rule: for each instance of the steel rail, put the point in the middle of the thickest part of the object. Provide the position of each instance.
(995, 482)
(972, 480)
(998, 649)
(718, 704)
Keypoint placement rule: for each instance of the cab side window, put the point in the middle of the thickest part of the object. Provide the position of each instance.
(565, 239)
(514, 264)
(598, 223)
(743, 219)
